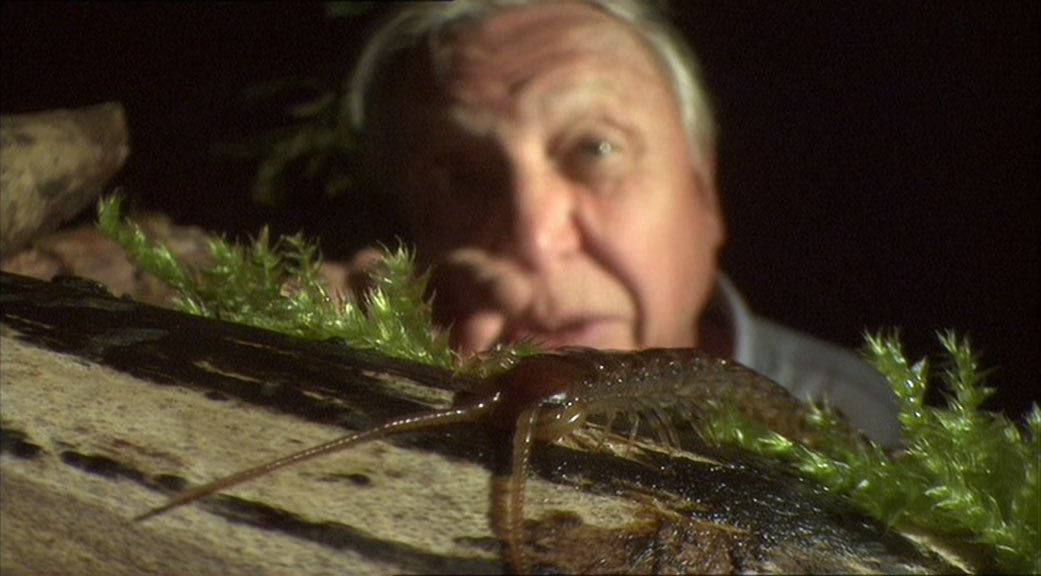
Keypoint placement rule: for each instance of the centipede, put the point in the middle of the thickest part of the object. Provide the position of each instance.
(548, 396)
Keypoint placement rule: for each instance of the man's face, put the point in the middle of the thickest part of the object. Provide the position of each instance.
(550, 180)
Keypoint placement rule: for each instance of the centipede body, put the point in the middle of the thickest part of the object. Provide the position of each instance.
(551, 395)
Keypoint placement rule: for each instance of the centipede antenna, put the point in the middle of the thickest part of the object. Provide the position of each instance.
(410, 423)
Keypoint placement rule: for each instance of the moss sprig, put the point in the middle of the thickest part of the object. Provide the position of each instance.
(278, 286)
(965, 476)
(156, 259)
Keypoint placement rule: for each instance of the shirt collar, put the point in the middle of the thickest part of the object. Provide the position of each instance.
(730, 308)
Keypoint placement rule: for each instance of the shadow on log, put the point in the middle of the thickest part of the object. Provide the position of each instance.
(109, 406)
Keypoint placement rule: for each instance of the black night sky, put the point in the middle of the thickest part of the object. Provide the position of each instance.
(879, 160)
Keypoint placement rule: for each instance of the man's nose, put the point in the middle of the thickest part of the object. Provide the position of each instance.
(544, 225)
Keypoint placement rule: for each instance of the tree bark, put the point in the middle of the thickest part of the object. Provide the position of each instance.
(108, 406)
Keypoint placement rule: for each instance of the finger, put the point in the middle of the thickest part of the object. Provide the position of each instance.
(477, 332)
(470, 279)
(359, 272)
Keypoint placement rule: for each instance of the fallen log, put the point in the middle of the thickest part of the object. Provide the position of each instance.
(110, 405)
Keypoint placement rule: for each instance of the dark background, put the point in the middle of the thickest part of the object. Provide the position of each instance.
(879, 161)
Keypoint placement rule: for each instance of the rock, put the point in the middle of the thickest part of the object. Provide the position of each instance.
(53, 164)
(86, 252)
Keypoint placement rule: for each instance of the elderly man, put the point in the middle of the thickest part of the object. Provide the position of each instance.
(555, 162)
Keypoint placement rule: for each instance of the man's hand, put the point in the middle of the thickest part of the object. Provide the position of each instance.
(476, 295)
(348, 282)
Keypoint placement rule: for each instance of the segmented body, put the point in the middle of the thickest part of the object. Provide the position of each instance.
(662, 387)
(551, 395)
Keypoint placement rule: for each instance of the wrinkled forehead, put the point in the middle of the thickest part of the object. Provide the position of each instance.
(484, 64)
(513, 46)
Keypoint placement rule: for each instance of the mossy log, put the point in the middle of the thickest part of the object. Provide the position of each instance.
(108, 406)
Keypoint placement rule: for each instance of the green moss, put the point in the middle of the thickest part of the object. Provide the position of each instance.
(965, 476)
(278, 286)
(965, 472)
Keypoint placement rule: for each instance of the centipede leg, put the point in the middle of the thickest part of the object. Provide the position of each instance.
(508, 493)
(632, 433)
(607, 431)
(664, 428)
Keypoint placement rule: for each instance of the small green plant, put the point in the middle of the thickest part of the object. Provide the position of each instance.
(317, 143)
(965, 476)
(314, 146)
(278, 286)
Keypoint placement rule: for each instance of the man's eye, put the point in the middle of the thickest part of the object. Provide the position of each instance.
(598, 148)
(594, 160)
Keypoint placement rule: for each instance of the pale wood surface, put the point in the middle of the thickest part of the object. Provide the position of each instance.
(58, 516)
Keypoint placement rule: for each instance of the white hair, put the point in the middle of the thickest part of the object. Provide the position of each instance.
(425, 25)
